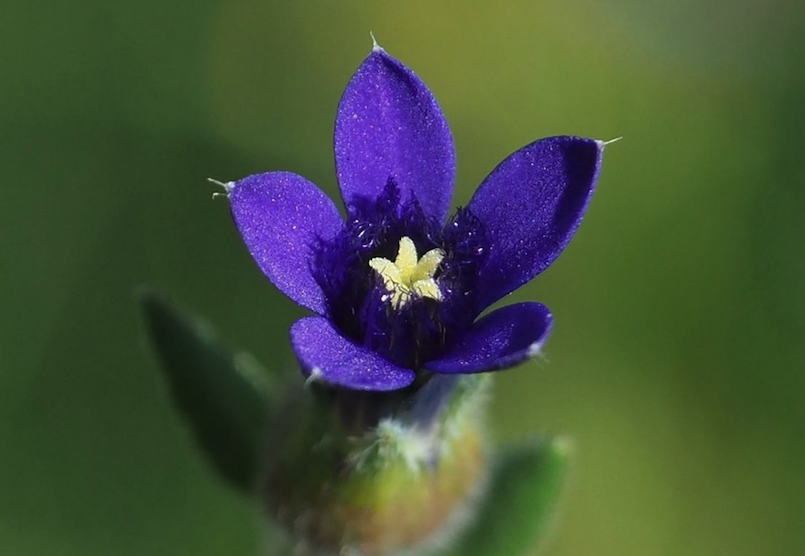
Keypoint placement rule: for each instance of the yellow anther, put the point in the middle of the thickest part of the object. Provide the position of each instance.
(409, 275)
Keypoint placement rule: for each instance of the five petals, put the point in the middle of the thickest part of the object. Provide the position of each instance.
(390, 127)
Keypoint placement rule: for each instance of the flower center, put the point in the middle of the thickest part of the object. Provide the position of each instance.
(409, 276)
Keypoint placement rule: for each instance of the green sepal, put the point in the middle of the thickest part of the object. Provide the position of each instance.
(521, 496)
(224, 397)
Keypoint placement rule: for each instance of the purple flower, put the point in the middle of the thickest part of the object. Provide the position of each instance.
(398, 286)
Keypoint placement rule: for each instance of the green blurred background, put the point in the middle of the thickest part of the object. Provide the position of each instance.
(677, 361)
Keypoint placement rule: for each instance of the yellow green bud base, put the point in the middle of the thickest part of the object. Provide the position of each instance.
(395, 489)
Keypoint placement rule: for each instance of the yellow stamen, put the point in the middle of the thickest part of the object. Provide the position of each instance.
(408, 275)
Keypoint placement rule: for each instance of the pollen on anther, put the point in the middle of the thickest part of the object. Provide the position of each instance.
(409, 276)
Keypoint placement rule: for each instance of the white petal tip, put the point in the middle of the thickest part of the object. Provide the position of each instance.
(606, 143)
(315, 376)
(534, 349)
(375, 46)
(227, 187)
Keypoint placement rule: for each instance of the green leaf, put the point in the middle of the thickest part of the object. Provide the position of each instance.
(224, 397)
(524, 486)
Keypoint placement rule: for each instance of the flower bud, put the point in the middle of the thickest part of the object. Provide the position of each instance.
(378, 473)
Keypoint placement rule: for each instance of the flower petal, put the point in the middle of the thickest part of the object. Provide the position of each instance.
(501, 339)
(531, 205)
(280, 215)
(327, 356)
(390, 126)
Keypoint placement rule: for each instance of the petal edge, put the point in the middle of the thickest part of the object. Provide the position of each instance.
(531, 205)
(280, 215)
(325, 355)
(501, 339)
(389, 125)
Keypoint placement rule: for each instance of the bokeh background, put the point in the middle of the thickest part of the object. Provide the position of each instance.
(678, 358)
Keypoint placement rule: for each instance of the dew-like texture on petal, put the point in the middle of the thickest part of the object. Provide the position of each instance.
(501, 339)
(327, 356)
(390, 126)
(280, 216)
(531, 205)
